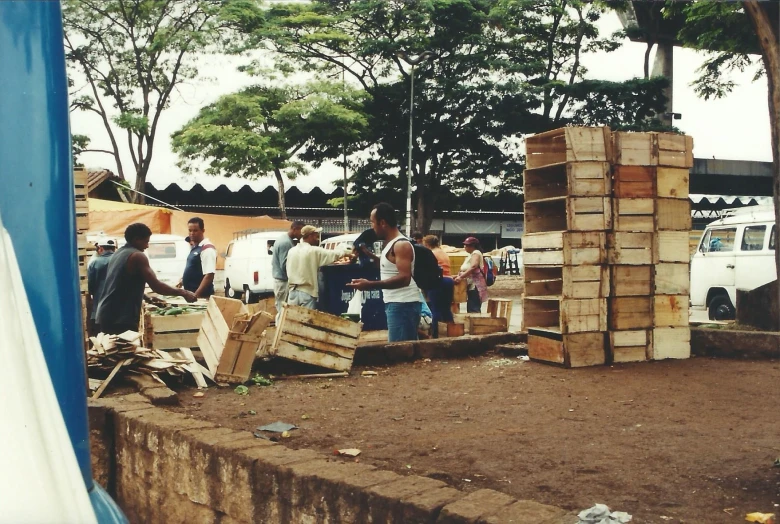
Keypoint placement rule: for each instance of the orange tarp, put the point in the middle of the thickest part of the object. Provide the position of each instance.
(113, 217)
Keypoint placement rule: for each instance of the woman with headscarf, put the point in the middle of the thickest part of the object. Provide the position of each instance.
(471, 272)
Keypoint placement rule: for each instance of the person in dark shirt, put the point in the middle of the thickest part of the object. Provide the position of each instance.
(128, 273)
(96, 277)
(363, 247)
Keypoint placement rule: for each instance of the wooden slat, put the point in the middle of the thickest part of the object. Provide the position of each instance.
(673, 214)
(673, 182)
(670, 310)
(194, 368)
(672, 279)
(221, 318)
(581, 315)
(672, 342)
(584, 349)
(289, 351)
(634, 182)
(247, 354)
(483, 326)
(175, 340)
(210, 344)
(319, 345)
(630, 313)
(636, 149)
(671, 246)
(545, 349)
(110, 377)
(629, 281)
(228, 357)
(183, 322)
(308, 332)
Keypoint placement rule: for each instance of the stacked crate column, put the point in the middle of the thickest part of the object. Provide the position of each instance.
(80, 191)
(567, 212)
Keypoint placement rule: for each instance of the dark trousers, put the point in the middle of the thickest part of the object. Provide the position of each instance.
(440, 300)
(473, 303)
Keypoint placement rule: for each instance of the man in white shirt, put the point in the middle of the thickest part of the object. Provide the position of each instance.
(201, 262)
(303, 265)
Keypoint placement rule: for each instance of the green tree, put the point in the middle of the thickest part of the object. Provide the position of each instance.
(733, 33)
(132, 54)
(273, 130)
(501, 68)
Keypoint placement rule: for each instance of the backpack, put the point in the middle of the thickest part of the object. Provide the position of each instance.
(487, 270)
(427, 273)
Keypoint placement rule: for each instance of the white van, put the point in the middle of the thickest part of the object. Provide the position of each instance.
(339, 240)
(735, 252)
(167, 256)
(248, 266)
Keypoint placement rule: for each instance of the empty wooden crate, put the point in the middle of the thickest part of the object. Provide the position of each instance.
(564, 213)
(569, 144)
(564, 315)
(229, 337)
(172, 331)
(317, 338)
(673, 342)
(572, 350)
(631, 346)
(559, 248)
(569, 179)
(567, 281)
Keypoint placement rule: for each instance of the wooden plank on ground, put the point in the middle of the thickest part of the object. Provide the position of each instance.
(109, 378)
(194, 368)
(322, 320)
(326, 360)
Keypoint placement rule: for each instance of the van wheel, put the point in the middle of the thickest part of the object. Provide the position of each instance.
(249, 297)
(721, 308)
(229, 291)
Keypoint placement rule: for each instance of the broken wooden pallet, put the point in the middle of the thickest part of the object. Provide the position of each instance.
(229, 338)
(316, 338)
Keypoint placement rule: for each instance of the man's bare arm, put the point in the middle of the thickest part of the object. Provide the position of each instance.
(139, 264)
(404, 254)
(204, 284)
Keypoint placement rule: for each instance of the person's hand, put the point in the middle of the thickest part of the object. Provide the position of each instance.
(189, 296)
(359, 284)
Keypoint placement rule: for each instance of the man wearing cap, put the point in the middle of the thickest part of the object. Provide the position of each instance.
(201, 262)
(281, 248)
(303, 266)
(96, 277)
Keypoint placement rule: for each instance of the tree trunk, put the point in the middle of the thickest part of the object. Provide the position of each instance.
(280, 188)
(140, 187)
(768, 32)
(425, 205)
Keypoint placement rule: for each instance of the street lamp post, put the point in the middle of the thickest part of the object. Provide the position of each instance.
(412, 61)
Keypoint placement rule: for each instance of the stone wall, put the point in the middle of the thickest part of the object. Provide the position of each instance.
(169, 468)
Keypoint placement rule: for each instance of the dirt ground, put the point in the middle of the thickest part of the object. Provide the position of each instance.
(669, 442)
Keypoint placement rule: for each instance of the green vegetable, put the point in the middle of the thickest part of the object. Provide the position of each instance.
(260, 380)
(242, 390)
(174, 311)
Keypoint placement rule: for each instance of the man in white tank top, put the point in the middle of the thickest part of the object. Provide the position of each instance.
(396, 266)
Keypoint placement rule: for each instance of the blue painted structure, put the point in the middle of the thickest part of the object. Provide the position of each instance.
(37, 206)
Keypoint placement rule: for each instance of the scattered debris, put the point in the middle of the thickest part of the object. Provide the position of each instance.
(369, 373)
(777, 462)
(601, 514)
(241, 390)
(285, 434)
(761, 518)
(260, 380)
(350, 452)
(305, 417)
(310, 375)
(277, 427)
(124, 353)
(199, 394)
(501, 362)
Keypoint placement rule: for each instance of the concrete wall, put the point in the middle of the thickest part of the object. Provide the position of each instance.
(165, 467)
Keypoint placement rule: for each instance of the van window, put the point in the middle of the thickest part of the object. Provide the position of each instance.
(718, 240)
(753, 238)
(161, 250)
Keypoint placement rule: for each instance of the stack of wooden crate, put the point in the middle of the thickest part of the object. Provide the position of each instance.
(82, 225)
(568, 211)
(648, 249)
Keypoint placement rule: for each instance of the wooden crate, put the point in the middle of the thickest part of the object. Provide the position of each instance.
(634, 182)
(672, 182)
(378, 336)
(631, 281)
(631, 346)
(567, 281)
(630, 313)
(451, 329)
(564, 248)
(564, 315)
(570, 179)
(568, 214)
(672, 342)
(672, 214)
(172, 331)
(671, 246)
(317, 338)
(229, 338)
(634, 214)
(500, 308)
(670, 310)
(487, 325)
(459, 292)
(571, 351)
(672, 279)
(570, 144)
(675, 150)
(267, 304)
(629, 248)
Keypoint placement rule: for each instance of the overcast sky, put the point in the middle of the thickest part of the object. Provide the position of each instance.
(735, 127)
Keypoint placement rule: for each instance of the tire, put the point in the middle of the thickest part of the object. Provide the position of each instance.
(229, 291)
(721, 308)
(249, 297)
